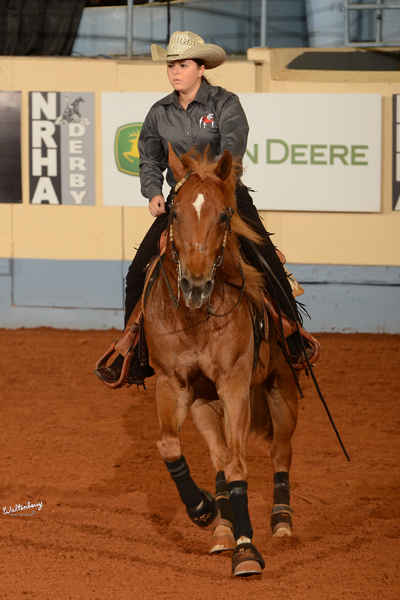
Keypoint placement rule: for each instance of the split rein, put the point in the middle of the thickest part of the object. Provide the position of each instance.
(218, 262)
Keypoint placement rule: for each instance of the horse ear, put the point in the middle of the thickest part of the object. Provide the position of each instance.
(177, 167)
(224, 166)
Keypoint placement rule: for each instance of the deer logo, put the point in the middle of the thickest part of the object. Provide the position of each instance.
(134, 151)
(126, 148)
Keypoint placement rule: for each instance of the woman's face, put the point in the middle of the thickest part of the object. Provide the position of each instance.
(184, 75)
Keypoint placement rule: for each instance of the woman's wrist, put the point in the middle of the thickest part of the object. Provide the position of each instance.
(157, 205)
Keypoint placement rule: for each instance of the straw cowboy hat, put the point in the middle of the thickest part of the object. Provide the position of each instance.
(185, 44)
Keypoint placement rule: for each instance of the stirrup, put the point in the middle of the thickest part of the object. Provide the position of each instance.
(124, 376)
(288, 328)
(124, 346)
(315, 348)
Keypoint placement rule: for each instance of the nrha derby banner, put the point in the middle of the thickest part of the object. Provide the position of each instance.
(61, 144)
(10, 147)
(314, 152)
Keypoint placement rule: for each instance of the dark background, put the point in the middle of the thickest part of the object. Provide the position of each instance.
(39, 27)
(10, 147)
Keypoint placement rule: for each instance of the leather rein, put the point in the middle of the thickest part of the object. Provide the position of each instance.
(218, 261)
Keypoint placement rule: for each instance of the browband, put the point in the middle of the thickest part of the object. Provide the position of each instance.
(182, 181)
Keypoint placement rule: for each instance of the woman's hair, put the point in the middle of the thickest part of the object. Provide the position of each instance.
(200, 62)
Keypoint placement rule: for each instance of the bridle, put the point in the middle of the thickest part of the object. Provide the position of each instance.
(218, 261)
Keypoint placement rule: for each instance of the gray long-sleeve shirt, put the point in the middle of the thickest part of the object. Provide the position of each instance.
(214, 117)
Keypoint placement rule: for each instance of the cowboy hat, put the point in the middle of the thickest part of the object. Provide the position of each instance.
(185, 44)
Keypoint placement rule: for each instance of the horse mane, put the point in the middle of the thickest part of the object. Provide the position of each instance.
(203, 166)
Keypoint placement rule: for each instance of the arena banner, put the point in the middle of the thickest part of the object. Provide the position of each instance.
(123, 114)
(314, 152)
(306, 152)
(10, 148)
(396, 152)
(61, 144)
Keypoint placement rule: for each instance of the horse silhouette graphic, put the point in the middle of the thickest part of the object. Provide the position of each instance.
(71, 113)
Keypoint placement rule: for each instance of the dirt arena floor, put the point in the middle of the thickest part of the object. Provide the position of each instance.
(109, 524)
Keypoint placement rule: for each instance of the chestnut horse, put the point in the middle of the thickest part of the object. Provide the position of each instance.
(200, 330)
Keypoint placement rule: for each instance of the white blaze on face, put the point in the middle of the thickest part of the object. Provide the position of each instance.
(198, 204)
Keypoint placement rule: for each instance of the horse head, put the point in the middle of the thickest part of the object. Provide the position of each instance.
(199, 219)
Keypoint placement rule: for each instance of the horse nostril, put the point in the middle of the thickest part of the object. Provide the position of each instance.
(207, 289)
(185, 285)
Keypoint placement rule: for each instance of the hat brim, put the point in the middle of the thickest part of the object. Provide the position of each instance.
(212, 55)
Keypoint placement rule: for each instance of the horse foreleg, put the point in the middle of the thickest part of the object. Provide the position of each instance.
(172, 406)
(208, 421)
(283, 405)
(246, 560)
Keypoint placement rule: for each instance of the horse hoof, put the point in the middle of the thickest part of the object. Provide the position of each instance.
(222, 539)
(247, 561)
(282, 530)
(248, 568)
(281, 520)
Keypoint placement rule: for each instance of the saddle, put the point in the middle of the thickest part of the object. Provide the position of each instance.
(134, 336)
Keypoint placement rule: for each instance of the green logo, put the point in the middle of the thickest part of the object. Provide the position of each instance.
(126, 148)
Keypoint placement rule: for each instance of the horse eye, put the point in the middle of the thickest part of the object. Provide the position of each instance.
(223, 218)
(174, 215)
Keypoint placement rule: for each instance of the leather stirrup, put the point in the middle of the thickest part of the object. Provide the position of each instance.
(288, 328)
(124, 346)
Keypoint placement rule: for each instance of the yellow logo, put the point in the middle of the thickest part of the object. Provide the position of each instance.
(126, 148)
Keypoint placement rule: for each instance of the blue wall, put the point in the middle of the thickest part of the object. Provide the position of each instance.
(90, 295)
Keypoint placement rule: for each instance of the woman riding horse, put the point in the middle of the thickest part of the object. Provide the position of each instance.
(201, 115)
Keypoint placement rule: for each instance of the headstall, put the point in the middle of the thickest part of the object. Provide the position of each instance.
(175, 256)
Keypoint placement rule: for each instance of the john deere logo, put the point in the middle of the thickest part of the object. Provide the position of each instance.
(126, 148)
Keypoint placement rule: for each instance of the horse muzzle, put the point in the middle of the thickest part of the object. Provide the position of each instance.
(196, 294)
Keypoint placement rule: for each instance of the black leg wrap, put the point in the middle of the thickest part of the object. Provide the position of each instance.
(207, 515)
(282, 488)
(222, 496)
(239, 503)
(245, 552)
(281, 512)
(188, 490)
(221, 485)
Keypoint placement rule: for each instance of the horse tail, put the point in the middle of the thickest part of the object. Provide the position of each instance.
(261, 422)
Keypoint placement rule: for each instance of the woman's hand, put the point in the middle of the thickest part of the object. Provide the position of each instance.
(157, 206)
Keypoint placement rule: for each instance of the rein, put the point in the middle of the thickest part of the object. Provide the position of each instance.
(217, 263)
(268, 271)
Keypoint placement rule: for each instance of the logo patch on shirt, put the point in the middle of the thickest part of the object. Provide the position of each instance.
(206, 120)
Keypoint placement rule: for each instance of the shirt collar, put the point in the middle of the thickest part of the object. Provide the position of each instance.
(201, 96)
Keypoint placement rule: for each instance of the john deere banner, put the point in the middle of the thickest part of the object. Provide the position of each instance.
(314, 152)
(123, 114)
(61, 144)
(396, 152)
(306, 152)
(10, 147)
